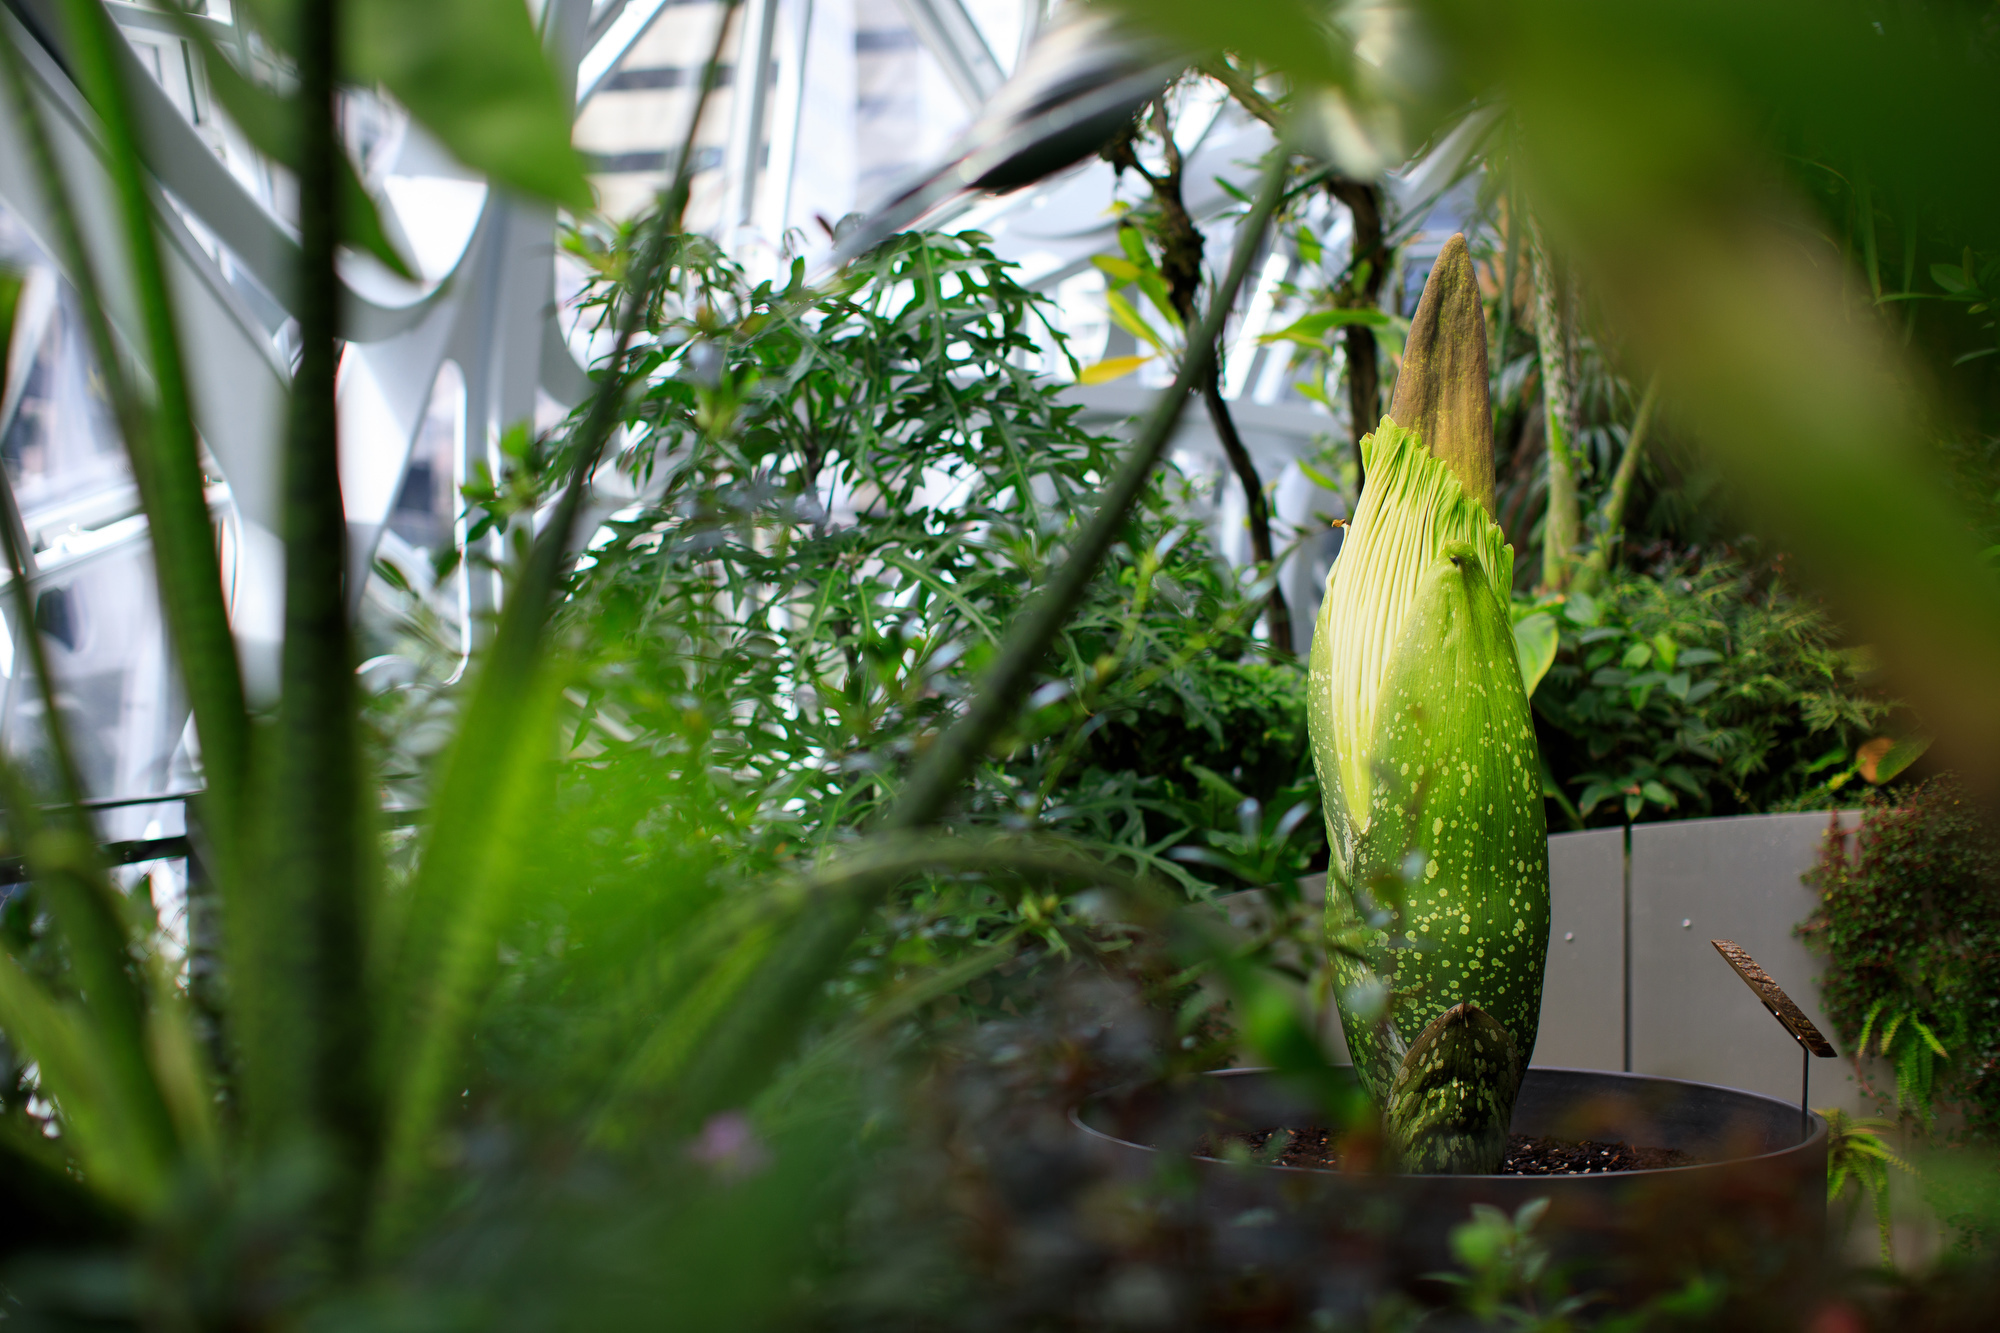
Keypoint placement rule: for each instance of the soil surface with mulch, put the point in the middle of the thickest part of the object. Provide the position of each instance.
(1314, 1149)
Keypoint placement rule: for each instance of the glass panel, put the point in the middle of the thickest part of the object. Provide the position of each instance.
(100, 623)
(638, 118)
(906, 111)
(96, 606)
(1005, 26)
(424, 524)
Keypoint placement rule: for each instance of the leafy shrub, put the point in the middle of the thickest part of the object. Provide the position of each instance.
(1710, 691)
(1909, 922)
(844, 497)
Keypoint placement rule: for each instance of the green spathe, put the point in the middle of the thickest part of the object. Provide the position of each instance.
(1410, 509)
(1438, 896)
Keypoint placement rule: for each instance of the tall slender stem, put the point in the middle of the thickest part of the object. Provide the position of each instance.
(1620, 495)
(159, 435)
(1181, 244)
(1559, 528)
(316, 793)
(436, 962)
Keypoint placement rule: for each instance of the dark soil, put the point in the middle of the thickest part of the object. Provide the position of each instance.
(1558, 1157)
(1313, 1148)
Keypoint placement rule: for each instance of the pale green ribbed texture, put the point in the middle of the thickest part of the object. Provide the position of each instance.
(1411, 508)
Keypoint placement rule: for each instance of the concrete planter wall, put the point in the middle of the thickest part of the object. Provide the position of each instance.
(1632, 981)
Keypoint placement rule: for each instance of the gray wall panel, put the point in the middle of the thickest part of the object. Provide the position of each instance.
(1691, 1018)
(1583, 993)
(1738, 879)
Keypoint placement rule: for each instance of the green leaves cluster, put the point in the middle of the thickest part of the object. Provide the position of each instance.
(1710, 690)
(473, 72)
(1909, 922)
(1858, 1160)
(847, 496)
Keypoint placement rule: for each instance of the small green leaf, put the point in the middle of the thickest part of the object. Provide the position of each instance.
(1535, 642)
(1318, 478)
(271, 124)
(1952, 278)
(473, 73)
(1134, 246)
(1637, 656)
(1128, 319)
(1884, 759)
(1111, 368)
(1156, 292)
(1594, 793)
(1310, 328)
(1120, 270)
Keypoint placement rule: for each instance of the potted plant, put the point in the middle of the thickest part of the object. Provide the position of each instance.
(1437, 910)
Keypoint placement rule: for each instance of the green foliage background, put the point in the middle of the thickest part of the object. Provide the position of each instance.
(1709, 689)
(1909, 922)
(846, 497)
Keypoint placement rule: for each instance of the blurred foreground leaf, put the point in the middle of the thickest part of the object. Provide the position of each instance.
(473, 73)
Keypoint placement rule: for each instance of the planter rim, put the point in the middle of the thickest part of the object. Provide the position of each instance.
(1817, 1121)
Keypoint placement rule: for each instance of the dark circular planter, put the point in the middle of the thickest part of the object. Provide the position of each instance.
(1755, 1196)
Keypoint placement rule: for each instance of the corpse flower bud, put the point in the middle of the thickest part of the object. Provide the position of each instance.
(1438, 884)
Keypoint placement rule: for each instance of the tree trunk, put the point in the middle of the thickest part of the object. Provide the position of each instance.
(1363, 291)
(1278, 618)
(1180, 243)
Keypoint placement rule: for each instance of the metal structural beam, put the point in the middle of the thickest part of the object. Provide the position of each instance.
(614, 28)
(954, 38)
(742, 158)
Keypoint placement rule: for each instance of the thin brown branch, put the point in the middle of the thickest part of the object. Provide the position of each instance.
(1278, 616)
(1243, 87)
